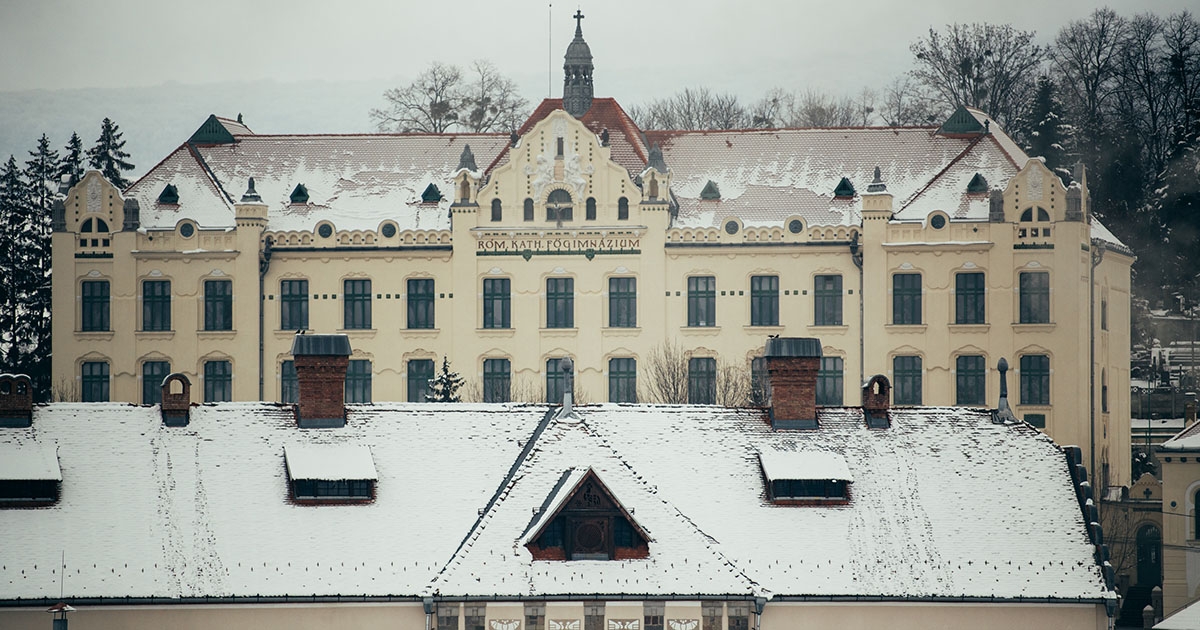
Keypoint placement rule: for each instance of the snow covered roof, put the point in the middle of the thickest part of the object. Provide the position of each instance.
(1186, 440)
(946, 504)
(804, 465)
(1186, 618)
(29, 462)
(330, 462)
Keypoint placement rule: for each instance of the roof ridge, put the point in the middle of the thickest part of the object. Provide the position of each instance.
(169, 155)
(209, 172)
(913, 198)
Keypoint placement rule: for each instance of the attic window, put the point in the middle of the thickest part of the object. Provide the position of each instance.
(801, 477)
(1042, 215)
(711, 191)
(29, 475)
(169, 194)
(299, 194)
(330, 473)
(844, 189)
(431, 194)
(978, 184)
(581, 520)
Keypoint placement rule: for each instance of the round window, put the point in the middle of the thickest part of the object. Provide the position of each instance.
(938, 222)
(187, 230)
(731, 227)
(795, 226)
(325, 230)
(389, 230)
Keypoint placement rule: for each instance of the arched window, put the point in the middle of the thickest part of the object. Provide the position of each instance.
(1104, 391)
(1042, 215)
(528, 209)
(558, 205)
(591, 208)
(653, 188)
(101, 225)
(87, 226)
(622, 209)
(464, 191)
(497, 213)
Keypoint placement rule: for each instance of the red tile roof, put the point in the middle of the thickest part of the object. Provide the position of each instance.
(625, 139)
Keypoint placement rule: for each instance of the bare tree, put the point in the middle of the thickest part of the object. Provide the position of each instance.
(987, 66)
(490, 101)
(905, 103)
(1085, 56)
(692, 108)
(733, 385)
(666, 379)
(441, 99)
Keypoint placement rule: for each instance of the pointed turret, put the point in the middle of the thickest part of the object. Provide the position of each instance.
(577, 73)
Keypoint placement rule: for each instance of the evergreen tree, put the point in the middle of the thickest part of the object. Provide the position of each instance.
(32, 267)
(72, 161)
(108, 156)
(1046, 132)
(444, 387)
(14, 200)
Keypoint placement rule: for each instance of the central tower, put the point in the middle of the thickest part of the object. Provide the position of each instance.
(577, 71)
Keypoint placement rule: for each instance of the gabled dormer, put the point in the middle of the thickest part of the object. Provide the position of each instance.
(466, 180)
(581, 519)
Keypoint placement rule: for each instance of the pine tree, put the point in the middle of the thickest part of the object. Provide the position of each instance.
(14, 201)
(108, 155)
(72, 161)
(444, 387)
(32, 270)
(1047, 133)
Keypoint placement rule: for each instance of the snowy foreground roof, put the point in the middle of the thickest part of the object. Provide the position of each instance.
(943, 503)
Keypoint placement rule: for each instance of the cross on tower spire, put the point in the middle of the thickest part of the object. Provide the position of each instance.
(578, 23)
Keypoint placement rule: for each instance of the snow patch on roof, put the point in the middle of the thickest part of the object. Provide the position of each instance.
(804, 465)
(29, 462)
(330, 462)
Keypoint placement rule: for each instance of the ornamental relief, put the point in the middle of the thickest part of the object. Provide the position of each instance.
(504, 624)
(564, 624)
(624, 624)
(683, 624)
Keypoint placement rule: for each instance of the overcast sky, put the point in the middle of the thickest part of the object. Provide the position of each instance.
(643, 48)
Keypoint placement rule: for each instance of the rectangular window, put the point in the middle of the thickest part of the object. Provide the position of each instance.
(95, 381)
(764, 300)
(969, 305)
(289, 385)
(827, 304)
(1035, 379)
(420, 303)
(556, 381)
(293, 304)
(356, 305)
(622, 302)
(497, 298)
(738, 615)
(702, 381)
(153, 373)
(358, 381)
(535, 616)
(328, 489)
(907, 373)
(1038, 420)
(497, 380)
(906, 298)
(654, 613)
(622, 380)
(702, 301)
(156, 305)
(95, 305)
(447, 616)
(1103, 313)
(711, 614)
(970, 380)
(560, 302)
(473, 616)
(1035, 297)
(218, 381)
(420, 372)
(593, 616)
(760, 395)
(218, 305)
(830, 382)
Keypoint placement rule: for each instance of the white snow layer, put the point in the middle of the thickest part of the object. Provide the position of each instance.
(29, 462)
(810, 465)
(330, 462)
(944, 503)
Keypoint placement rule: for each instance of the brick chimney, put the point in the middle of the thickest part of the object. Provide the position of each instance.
(321, 362)
(176, 405)
(875, 396)
(792, 364)
(16, 401)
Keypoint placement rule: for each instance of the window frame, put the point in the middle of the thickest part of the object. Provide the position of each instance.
(497, 383)
(289, 382)
(764, 300)
(827, 300)
(497, 303)
(831, 382)
(702, 301)
(560, 302)
(218, 304)
(622, 302)
(95, 298)
(217, 381)
(95, 381)
(156, 306)
(622, 380)
(358, 381)
(556, 381)
(907, 383)
(152, 382)
(420, 304)
(1034, 297)
(356, 304)
(907, 299)
(702, 381)
(414, 377)
(970, 377)
(293, 304)
(1034, 381)
(970, 301)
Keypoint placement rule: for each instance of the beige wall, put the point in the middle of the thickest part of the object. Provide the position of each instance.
(776, 616)
(1181, 546)
(459, 259)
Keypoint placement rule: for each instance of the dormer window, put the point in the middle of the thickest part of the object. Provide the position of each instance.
(1034, 215)
(29, 475)
(805, 477)
(330, 473)
(582, 520)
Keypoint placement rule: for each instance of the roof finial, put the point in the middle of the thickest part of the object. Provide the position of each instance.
(1003, 412)
(467, 159)
(578, 23)
(877, 184)
(251, 194)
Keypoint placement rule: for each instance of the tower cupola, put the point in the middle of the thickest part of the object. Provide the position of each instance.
(577, 73)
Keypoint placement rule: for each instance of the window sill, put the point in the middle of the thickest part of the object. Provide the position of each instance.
(495, 332)
(103, 335)
(700, 331)
(836, 329)
(905, 328)
(155, 334)
(1029, 328)
(621, 331)
(216, 334)
(358, 333)
(560, 332)
(419, 333)
(969, 328)
(776, 329)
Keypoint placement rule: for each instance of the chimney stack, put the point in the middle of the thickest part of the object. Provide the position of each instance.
(875, 402)
(176, 406)
(16, 401)
(321, 362)
(792, 364)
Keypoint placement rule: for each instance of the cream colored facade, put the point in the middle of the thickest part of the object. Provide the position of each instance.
(1180, 536)
(648, 246)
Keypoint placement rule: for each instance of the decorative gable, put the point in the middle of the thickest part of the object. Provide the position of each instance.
(582, 520)
(961, 121)
(212, 132)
